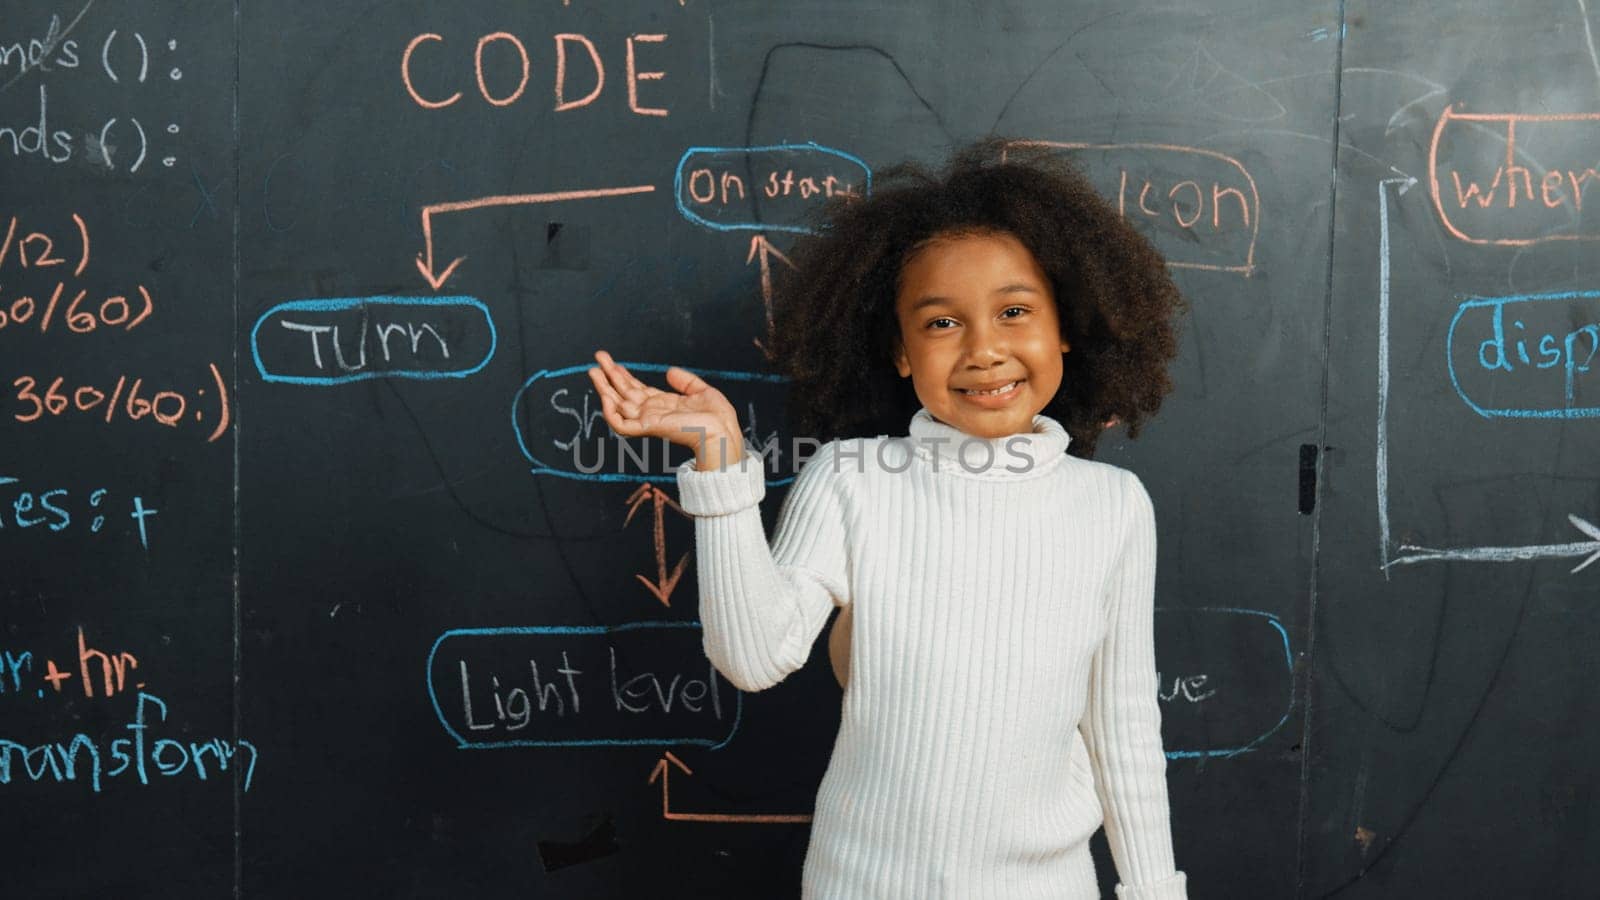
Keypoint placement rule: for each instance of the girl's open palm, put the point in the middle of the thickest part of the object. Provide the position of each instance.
(689, 413)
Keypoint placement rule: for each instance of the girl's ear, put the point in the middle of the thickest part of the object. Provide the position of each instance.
(1065, 347)
(901, 364)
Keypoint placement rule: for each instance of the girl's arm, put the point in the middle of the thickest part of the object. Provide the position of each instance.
(761, 609)
(1122, 721)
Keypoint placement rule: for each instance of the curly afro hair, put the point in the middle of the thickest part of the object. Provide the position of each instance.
(834, 324)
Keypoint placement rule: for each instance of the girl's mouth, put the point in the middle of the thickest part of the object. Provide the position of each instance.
(998, 395)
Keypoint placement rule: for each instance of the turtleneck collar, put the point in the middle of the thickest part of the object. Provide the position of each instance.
(1013, 457)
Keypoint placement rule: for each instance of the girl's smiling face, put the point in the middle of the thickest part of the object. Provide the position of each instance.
(976, 312)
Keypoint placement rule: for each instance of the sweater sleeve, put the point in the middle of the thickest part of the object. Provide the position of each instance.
(1122, 720)
(762, 608)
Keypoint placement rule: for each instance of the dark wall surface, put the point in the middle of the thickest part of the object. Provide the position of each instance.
(318, 583)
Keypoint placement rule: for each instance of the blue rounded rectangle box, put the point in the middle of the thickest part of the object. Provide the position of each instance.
(771, 188)
(345, 339)
(636, 684)
(1525, 356)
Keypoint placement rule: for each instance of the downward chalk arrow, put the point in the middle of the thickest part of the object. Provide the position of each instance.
(1591, 548)
(425, 259)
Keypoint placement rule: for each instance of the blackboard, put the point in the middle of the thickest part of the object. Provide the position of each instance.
(309, 591)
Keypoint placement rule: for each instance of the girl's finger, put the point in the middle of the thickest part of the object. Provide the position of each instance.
(612, 373)
(602, 386)
(614, 417)
(617, 412)
(684, 381)
(627, 398)
(626, 382)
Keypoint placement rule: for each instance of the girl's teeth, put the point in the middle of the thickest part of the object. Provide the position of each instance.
(999, 390)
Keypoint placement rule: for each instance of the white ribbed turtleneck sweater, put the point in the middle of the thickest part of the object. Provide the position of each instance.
(1002, 693)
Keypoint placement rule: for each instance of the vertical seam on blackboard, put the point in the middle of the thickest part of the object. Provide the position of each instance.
(1322, 436)
(711, 54)
(238, 787)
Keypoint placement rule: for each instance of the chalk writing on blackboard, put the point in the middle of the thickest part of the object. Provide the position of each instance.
(63, 308)
(345, 339)
(514, 48)
(125, 58)
(1205, 714)
(141, 755)
(38, 248)
(128, 399)
(1483, 195)
(543, 686)
(769, 188)
(1200, 207)
(86, 671)
(78, 313)
(1531, 352)
(51, 508)
(92, 670)
(1185, 688)
(37, 138)
(50, 50)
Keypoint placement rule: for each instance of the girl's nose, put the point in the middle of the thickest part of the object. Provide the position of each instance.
(983, 345)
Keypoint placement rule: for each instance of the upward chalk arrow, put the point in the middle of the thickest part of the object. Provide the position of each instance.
(762, 248)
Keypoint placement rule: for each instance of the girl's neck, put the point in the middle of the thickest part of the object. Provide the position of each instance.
(1016, 456)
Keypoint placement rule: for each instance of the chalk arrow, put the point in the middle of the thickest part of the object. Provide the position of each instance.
(665, 583)
(425, 259)
(1416, 554)
(761, 247)
(1589, 529)
(662, 771)
(1591, 548)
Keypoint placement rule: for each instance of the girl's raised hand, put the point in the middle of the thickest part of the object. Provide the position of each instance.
(693, 414)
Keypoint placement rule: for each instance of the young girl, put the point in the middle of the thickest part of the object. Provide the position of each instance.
(1001, 701)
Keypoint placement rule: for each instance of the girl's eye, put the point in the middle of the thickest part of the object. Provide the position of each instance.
(934, 323)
